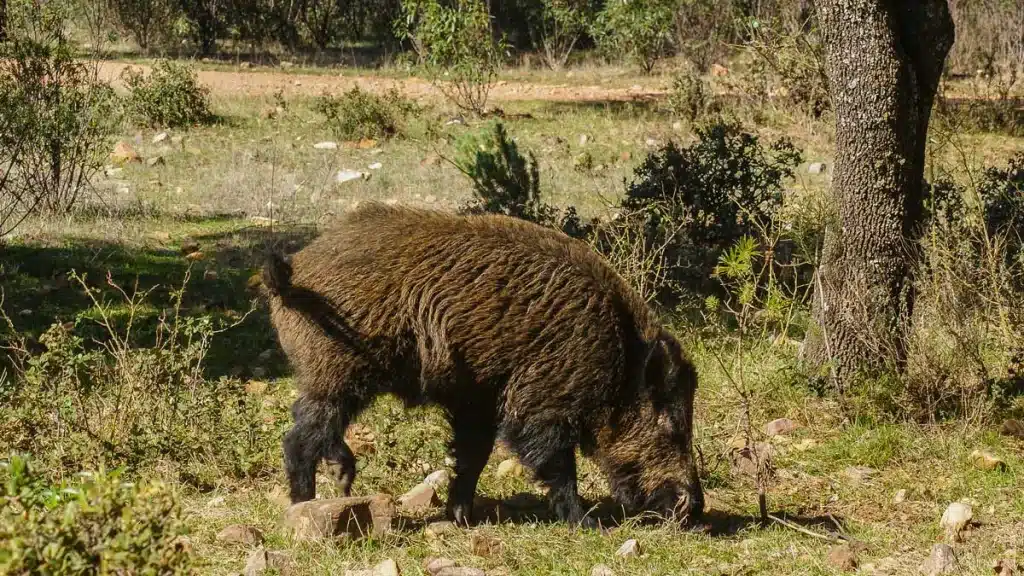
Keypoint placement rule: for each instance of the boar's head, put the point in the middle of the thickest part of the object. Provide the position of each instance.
(646, 447)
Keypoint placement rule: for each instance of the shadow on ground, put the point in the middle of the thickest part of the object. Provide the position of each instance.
(529, 508)
(39, 290)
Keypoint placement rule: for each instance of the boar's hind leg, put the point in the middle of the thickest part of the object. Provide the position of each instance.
(317, 433)
(472, 442)
(551, 453)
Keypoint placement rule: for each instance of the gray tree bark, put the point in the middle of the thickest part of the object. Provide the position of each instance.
(884, 59)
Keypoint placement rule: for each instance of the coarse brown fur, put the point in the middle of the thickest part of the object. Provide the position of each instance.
(517, 331)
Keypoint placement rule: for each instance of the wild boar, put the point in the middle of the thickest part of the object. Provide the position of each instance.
(515, 330)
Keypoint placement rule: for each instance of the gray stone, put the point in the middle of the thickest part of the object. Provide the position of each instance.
(941, 561)
(340, 517)
(816, 168)
(240, 534)
(629, 549)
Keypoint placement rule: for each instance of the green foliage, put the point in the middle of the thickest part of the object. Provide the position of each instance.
(170, 96)
(56, 117)
(787, 64)
(638, 30)
(357, 114)
(96, 524)
(504, 180)
(123, 404)
(700, 200)
(690, 97)
(557, 26)
(457, 49)
(148, 21)
(507, 182)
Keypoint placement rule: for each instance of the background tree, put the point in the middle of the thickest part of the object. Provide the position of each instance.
(884, 61)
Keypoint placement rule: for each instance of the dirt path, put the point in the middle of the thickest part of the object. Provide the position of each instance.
(265, 82)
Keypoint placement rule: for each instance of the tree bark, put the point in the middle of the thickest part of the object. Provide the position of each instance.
(884, 59)
(3, 20)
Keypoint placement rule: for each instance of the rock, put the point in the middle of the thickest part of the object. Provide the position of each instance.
(347, 176)
(718, 70)
(189, 246)
(240, 534)
(194, 256)
(1013, 428)
(421, 497)
(386, 568)
(484, 545)
(375, 166)
(160, 137)
(843, 558)
(677, 126)
(123, 154)
(651, 142)
(742, 457)
(510, 467)
(111, 172)
(354, 517)
(625, 156)
(629, 549)
(215, 502)
(261, 561)
(956, 517)
(584, 138)
(1005, 567)
(985, 460)
(860, 474)
(779, 427)
(287, 65)
(360, 439)
(278, 496)
(601, 570)
(430, 199)
(900, 497)
(436, 530)
(816, 168)
(326, 145)
(941, 561)
(437, 479)
(435, 565)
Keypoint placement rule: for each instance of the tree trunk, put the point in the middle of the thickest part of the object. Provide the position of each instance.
(884, 59)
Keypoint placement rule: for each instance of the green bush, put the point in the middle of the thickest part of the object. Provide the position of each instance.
(787, 65)
(690, 96)
(56, 117)
(639, 30)
(507, 182)
(138, 406)
(558, 25)
(456, 46)
(170, 96)
(696, 202)
(357, 114)
(93, 525)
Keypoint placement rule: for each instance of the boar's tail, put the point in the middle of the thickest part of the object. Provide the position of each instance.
(277, 274)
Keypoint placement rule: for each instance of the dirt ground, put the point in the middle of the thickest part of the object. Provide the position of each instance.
(268, 81)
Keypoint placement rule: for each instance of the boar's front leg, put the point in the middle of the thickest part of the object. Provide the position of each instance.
(550, 451)
(472, 443)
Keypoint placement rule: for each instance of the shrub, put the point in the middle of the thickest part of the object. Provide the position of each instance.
(357, 114)
(701, 199)
(690, 97)
(126, 404)
(148, 21)
(170, 96)
(56, 117)
(456, 48)
(507, 182)
(640, 30)
(557, 26)
(787, 64)
(93, 525)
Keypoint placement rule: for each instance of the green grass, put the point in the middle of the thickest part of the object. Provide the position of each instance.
(218, 185)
